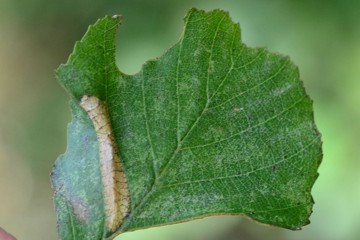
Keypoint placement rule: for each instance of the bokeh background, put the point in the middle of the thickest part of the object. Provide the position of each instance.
(322, 37)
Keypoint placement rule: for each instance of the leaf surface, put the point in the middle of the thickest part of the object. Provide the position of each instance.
(211, 127)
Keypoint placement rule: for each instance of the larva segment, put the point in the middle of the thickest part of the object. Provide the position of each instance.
(116, 194)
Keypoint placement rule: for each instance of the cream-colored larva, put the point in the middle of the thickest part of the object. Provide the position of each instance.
(116, 194)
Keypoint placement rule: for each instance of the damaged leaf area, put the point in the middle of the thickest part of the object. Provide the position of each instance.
(211, 127)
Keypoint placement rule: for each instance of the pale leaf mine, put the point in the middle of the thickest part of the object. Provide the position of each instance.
(116, 194)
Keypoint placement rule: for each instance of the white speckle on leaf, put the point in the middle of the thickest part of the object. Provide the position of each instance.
(279, 91)
(237, 109)
(197, 52)
(212, 66)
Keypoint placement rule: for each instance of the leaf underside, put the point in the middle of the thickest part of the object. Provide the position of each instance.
(211, 127)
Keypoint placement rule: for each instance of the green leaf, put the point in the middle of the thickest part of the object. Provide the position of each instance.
(211, 127)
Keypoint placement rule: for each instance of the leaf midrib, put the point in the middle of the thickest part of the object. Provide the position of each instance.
(179, 140)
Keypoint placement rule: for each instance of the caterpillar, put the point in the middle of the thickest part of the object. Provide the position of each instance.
(115, 189)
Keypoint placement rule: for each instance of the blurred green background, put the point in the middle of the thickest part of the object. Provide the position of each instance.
(322, 37)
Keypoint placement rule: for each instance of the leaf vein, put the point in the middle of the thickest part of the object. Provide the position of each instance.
(255, 86)
(147, 126)
(246, 173)
(250, 128)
